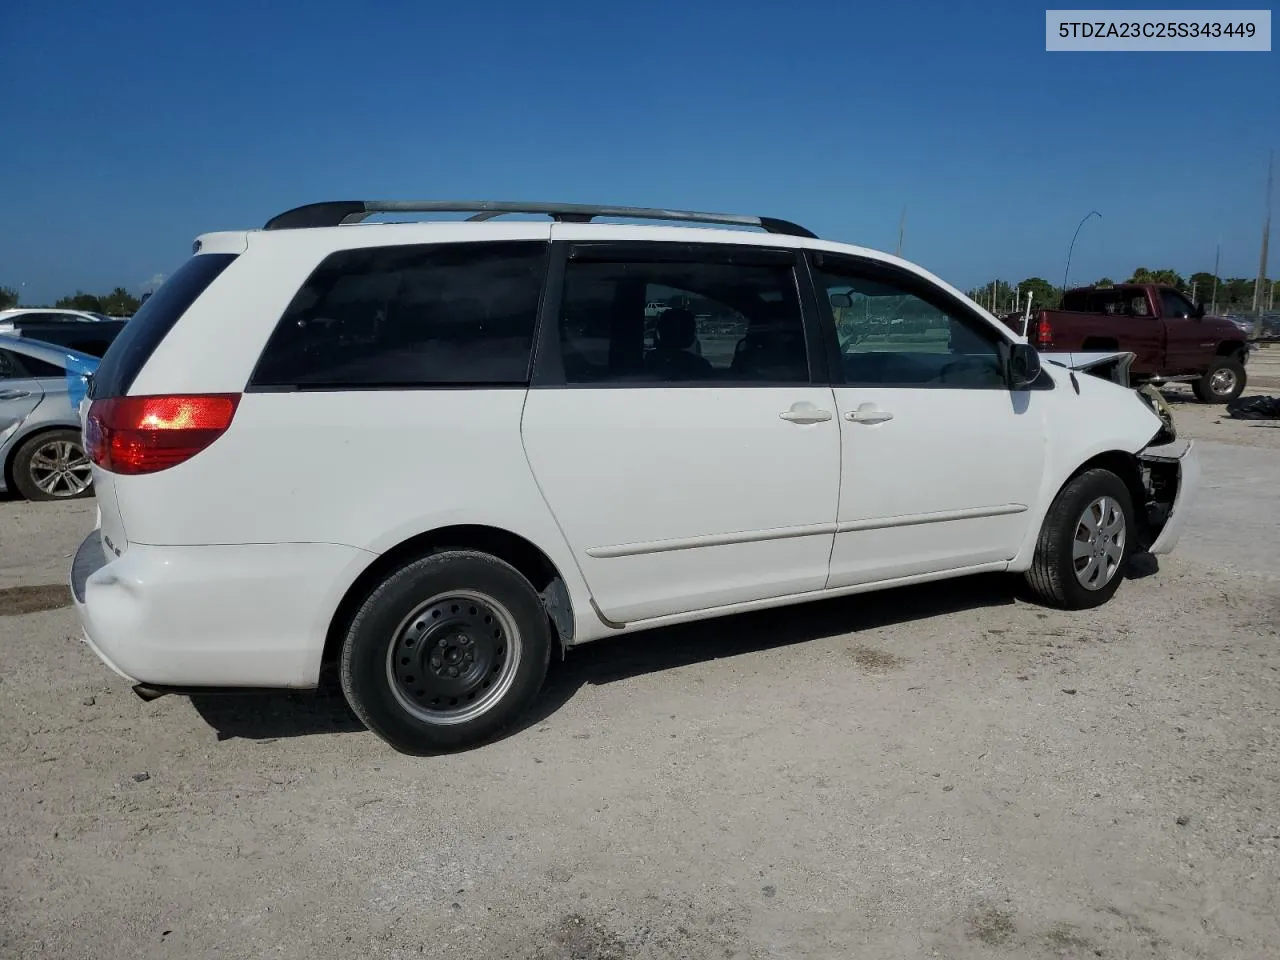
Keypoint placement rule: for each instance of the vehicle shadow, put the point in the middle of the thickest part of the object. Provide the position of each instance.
(266, 716)
(277, 715)
(1182, 397)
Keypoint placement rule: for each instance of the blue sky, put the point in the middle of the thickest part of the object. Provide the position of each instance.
(131, 127)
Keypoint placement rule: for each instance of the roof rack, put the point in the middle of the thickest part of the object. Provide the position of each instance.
(334, 213)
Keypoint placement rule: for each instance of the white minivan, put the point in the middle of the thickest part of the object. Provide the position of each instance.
(440, 453)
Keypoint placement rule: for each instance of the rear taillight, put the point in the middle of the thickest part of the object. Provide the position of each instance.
(1044, 333)
(132, 435)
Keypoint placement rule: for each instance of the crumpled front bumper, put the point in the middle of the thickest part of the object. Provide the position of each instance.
(1181, 456)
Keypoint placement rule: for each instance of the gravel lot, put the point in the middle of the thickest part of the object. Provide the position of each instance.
(946, 771)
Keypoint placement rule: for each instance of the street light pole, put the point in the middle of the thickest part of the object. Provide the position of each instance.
(1091, 213)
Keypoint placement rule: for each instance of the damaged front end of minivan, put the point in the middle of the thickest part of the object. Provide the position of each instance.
(1170, 476)
(1165, 473)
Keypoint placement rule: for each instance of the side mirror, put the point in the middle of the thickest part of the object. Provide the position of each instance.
(1023, 365)
(841, 300)
(1198, 312)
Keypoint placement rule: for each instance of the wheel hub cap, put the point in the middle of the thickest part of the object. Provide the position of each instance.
(1098, 547)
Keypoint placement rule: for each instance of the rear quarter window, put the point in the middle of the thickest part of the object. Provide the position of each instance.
(129, 352)
(424, 315)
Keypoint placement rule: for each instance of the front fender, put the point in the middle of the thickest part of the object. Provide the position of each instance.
(1086, 421)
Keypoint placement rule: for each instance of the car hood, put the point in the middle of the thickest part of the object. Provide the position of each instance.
(1226, 326)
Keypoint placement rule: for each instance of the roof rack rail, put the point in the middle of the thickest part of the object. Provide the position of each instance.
(334, 213)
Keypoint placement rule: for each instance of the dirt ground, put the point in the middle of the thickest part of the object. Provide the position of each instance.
(944, 771)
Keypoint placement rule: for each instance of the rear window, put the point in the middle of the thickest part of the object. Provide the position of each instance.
(141, 335)
(424, 315)
(1115, 301)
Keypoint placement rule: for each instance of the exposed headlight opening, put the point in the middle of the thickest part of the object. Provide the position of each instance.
(1154, 399)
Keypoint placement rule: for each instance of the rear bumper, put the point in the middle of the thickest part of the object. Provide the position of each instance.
(252, 615)
(1182, 454)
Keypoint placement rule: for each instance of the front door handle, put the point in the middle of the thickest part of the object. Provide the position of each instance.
(14, 394)
(805, 412)
(868, 413)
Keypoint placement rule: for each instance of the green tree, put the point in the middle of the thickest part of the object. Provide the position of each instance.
(1044, 295)
(81, 301)
(1105, 282)
(120, 303)
(1168, 277)
(8, 298)
(997, 292)
(1235, 293)
(1202, 284)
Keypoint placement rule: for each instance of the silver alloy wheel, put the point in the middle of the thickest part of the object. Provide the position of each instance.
(453, 657)
(61, 469)
(1223, 381)
(1098, 546)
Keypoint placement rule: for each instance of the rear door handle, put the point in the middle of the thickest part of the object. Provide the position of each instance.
(868, 413)
(14, 394)
(805, 412)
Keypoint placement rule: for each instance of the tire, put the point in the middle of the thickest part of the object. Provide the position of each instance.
(1057, 576)
(53, 466)
(446, 652)
(1222, 382)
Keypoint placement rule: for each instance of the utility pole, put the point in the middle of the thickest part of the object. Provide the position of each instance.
(1258, 295)
(902, 228)
(1217, 255)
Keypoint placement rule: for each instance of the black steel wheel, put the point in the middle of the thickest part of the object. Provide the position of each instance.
(446, 652)
(453, 657)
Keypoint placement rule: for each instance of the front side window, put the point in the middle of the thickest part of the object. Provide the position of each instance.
(681, 322)
(426, 315)
(894, 330)
(1174, 304)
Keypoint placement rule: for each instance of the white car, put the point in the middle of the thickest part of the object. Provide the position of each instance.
(7, 317)
(440, 454)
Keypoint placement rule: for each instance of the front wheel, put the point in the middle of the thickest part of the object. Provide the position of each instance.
(1222, 382)
(1085, 542)
(446, 652)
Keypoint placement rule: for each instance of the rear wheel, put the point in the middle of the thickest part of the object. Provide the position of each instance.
(1085, 542)
(53, 466)
(446, 652)
(1222, 382)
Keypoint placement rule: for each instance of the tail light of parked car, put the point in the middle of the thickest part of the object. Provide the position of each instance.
(1044, 333)
(133, 435)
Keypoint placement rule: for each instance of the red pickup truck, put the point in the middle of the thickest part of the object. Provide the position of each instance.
(1170, 337)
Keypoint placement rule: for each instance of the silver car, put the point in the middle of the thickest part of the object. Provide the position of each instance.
(41, 449)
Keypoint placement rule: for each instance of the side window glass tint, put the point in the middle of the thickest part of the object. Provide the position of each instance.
(1174, 305)
(407, 316)
(681, 322)
(9, 366)
(40, 369)
(891, 331)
